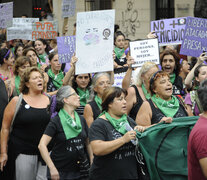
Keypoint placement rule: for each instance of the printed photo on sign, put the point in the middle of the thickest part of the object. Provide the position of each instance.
(195, 37)
(94, 41)
(145, 51)
(66, 48)
(169, 31)
(6, 15)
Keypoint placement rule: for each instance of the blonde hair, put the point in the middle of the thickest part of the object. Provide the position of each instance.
(145, 67)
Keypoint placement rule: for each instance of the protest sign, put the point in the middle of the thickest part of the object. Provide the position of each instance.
(6, 14)
(66, 48)
(94, 41)
(145, 51)
(169, 31)
(21, 28)
(44, 30)
(118, 78)
(68, 8)
(194, 41)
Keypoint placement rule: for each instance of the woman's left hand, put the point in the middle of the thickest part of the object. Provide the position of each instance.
(151, 35)
(166, 119)
(140, 128)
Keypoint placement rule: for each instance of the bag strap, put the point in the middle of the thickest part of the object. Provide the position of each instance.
(16, 110)
(198, 102)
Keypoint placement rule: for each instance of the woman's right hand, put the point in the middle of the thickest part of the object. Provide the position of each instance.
(54, 174)
(202, 58)
(166, 120)
(129, 136)
(3, 160)
(74, 59)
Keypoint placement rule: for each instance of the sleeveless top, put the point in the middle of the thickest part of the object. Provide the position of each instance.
(95, 109)
(157, 114)
(29, 126)
(137, 105)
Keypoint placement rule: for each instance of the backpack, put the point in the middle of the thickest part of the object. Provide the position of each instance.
(164, 147)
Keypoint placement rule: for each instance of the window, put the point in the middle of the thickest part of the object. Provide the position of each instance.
(165, 9)
(92, 5)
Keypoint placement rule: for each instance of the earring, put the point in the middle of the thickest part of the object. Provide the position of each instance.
(157, 96)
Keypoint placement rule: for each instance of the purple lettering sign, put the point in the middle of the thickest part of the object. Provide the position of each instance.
(169, 31)
(68, 8)
(66, 48)
(195, 37)
(6, 14)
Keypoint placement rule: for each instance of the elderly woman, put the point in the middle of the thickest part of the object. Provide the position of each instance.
(110, 137)
(28, 127)
(163, 106)
(70, 134)
(100, 82)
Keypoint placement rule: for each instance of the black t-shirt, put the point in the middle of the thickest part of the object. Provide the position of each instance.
(177, 86)
(64, 152)
(50, 86)
(122, 61)
(120, 164)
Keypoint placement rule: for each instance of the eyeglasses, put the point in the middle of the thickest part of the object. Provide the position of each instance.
(73, 94)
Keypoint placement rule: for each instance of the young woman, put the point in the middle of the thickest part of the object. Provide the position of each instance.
(191, 99)
(18, 50)
(92, 110)
(7, 62)
(70, 134)
(33, 56)
(28, 127)
(162, 106)
(41, 47)
(110, 140)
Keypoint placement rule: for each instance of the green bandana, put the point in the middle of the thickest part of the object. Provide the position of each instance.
(168, 108)
(43, 57)
(147, 95)
(17, 83)
(56, 79)
(38, 65)
(98, 101)
(71, 127)
(84, 96)
(118, 124)
(172, 78)
(118, 52)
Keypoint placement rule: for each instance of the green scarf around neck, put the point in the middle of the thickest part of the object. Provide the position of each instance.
(172, 78)
(56, 79)
(17, 83)
(38, 65)
(168, 108)
(146, 94)
(118, 124)
(43, 57)
(84, 96)
(71, 127)
(98, 101)
(118, 52)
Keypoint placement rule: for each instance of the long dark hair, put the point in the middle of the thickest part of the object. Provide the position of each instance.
(75, 85)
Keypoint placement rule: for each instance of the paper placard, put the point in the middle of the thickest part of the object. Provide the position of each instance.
(195, 37)
(169, 31)
(21, 28)
(68, 8)
(94, 41)
(6, 14)
(44, 30)
(66, 48)
(145, 51)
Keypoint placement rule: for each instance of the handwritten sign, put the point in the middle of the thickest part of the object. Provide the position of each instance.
(68, 8)
(94, 41)
(169, 31)
(6, 14)
(44, 30)
(21, 28)
(195, 37)
(145, 51)
(66, 48)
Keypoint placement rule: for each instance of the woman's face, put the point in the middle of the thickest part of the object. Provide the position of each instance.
(168, 64)
(22, 68)
(73, 99)
(33, 57)
(82, 80)
(202, 74)
(185, 67)
(19, 51)
(102, 83)
(55, 64)
(146, 76)
(10, 60)
(119, 42)
(118, 106)
(40, 47)
(36, 82)
(163, 87)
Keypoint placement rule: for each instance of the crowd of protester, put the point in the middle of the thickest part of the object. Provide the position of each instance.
(58, 125)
